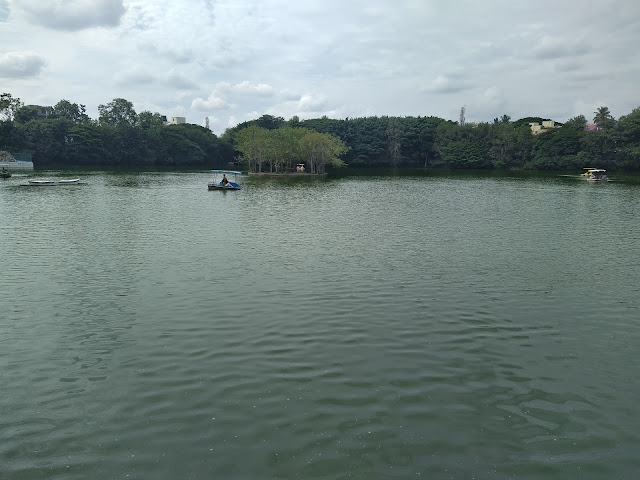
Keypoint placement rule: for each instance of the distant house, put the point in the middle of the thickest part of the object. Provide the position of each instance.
(536, 128)
(591, 126)
(177, 120)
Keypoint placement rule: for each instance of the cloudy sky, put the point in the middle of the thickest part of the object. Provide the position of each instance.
(235, 60)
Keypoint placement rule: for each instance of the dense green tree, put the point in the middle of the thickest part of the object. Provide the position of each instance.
(280, 149)
(294, 122)
(12, 136)
(395, 136)
(628, 149)
(117, 113)
(85, 145)
(503, 142)
(504, 119)
(48, 140)
(252, 143)
(9, 106)
(603, 118)
(147, 120)
(216, 151)
(322, 149)
(464, 154)
(25, 114)
(522, 152)
(285, 144)
(446, 133)
(71, 111)
(174, 149)
(418, 142)
(367, 140)
(558, 148)
(270, 122)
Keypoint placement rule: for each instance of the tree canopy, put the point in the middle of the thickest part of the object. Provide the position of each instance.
(120, 137)
(117, 113)
(281, 149)
(9, 106)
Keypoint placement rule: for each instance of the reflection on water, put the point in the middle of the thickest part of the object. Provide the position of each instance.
(375, 327)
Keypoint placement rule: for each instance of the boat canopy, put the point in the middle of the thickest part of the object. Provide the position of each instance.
(227, 171)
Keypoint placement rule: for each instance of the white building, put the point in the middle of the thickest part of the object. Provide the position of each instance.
(536, 128)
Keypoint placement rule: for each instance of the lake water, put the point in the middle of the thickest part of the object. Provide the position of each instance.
(438, 326)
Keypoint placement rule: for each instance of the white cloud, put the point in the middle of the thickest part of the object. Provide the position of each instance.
(178, 80)
(20, 65)
(4, 10)
(136, 76)
(72, 15)
(363, 57)
(447, 84)
(210, 104)
(308, 103)
(172, 53)
(550, 47)
(245, 88)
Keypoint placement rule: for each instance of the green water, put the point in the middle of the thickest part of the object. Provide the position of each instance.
(449, 326)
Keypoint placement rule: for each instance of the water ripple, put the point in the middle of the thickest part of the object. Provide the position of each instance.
(363, 328)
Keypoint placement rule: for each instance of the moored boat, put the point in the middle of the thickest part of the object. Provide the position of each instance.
(9, 162)
(69, 181)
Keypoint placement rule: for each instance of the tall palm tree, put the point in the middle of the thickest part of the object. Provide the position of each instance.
(602, 116)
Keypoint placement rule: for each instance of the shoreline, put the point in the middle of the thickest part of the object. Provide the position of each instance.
(289, 174)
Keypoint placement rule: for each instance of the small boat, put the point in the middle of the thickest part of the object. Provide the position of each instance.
(5, 173)
(70, 181)
(224, 183)
(594, 174)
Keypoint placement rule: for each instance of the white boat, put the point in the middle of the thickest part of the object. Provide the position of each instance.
(594, 174)
(70, 181)
(224, 184)
(8, 162)
(17, 165)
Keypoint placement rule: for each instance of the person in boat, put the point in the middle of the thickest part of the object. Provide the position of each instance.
(4, 170)
(224, 180)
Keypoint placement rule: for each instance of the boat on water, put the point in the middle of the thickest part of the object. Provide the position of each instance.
(5, 173)
(62, 181)
(9, 162)
(17, 165)
(223, 183)
(594, 174)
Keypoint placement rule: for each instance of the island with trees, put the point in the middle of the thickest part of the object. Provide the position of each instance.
(120, 137)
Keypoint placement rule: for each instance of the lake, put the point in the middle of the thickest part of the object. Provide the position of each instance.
(440, 326)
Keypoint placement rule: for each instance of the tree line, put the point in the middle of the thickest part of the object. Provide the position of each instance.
(122, 137)
(432, 142)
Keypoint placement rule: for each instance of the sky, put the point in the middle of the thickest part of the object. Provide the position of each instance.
(234, 60)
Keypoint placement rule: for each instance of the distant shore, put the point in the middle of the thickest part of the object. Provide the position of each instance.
(287, 174)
